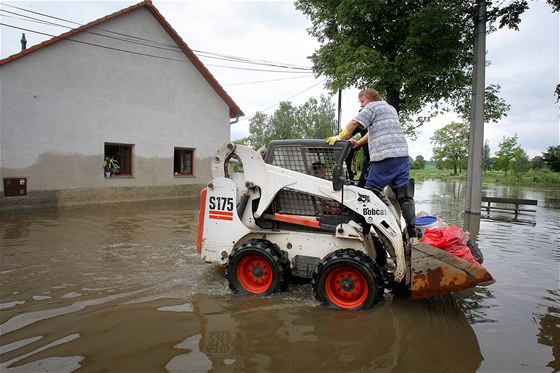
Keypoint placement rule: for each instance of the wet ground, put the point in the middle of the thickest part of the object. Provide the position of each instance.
(121, 288)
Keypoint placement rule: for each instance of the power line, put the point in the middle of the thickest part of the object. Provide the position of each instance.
(150, 43)
(132, 39)
(146, 54)
(49, 23)
(79, 24)
(93, 44)
(268, 81)
(270, 107)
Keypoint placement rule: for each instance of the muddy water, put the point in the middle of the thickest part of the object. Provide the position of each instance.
(122, 289)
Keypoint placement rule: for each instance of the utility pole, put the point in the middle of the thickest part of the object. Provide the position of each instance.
(476, 138)
(339, 108)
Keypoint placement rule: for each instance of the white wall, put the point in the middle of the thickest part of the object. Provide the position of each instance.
(61, 103)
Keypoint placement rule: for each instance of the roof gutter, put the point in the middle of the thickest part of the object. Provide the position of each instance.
(235, 121)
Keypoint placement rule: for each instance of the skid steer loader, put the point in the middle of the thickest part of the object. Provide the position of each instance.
(287, 211)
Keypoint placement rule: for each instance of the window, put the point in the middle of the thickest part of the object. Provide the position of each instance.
(122, 154)
(183, 162)
(15, 187)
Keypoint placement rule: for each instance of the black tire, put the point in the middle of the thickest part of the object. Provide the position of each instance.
(257, 267)
(348, 279)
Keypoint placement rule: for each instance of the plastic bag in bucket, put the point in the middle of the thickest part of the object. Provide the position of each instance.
(451, 240)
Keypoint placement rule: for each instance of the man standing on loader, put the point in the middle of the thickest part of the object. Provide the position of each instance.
(388, 149)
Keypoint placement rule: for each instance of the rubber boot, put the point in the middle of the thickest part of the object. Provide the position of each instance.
(387, 202)
(405, 197)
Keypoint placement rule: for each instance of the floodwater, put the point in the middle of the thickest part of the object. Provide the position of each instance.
(121, 288)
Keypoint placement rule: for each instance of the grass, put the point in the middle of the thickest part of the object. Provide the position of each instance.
(544, 178)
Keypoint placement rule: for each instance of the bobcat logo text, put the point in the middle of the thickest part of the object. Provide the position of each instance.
(370, 211)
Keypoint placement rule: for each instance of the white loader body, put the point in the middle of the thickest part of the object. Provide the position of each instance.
(288, 211)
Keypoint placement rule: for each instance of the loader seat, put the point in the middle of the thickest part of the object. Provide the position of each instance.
(305, 156)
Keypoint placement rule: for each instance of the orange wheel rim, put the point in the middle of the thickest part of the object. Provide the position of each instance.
(254, 274)
(346, 287)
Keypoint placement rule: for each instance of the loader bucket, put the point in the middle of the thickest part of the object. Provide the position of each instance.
(436, 272)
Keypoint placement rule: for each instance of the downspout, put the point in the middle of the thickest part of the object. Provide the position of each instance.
(235, 121)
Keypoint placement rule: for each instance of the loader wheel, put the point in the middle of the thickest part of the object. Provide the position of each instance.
(257, 267)
(348, 279)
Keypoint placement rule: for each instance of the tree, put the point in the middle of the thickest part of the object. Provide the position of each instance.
(283, 122)
(313, 119)
(494, 107)
(486, 157)
(316, 119)
(520, 162)
(555, 5)
(537, 162)
(418, 164)
(552, 158)
(416, 52)
(260, 131)
(451, 143)
(506, 152)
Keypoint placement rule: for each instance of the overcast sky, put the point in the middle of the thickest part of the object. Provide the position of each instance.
(525, 63)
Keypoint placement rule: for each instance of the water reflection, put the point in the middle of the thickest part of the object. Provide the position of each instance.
(549, 324)
(401, 335)
(51, 364)
(472, 225)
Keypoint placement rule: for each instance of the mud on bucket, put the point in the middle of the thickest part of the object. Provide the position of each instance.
(425, 222)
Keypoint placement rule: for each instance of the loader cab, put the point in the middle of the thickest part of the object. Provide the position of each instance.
(315, 158)
(312, 157)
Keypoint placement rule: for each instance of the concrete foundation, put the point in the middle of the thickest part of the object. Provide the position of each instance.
(88, 196)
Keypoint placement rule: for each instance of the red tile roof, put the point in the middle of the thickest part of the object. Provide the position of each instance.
(234, 110)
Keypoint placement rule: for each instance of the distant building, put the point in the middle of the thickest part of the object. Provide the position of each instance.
(125, 87)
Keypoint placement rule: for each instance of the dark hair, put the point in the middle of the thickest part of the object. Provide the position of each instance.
(317, 165)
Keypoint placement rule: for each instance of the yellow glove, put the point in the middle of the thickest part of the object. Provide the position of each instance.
(341, 136)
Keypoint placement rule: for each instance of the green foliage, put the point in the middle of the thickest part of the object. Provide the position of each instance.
(359, 160)
(417, 52)
(520, 162)
(418, 164)
(552, 158)
(494, 107)
(486, 158)
(506, 152)
(537, 163)
(509, 15)
(312, 120)
(555, 5)
(541, 178)
(451, 144)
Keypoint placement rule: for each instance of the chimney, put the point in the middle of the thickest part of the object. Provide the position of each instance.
(23, 42)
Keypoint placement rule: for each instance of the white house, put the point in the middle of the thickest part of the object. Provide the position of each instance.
(125, 87)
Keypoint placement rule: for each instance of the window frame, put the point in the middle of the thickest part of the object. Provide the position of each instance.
(183, 150)
(109, 150)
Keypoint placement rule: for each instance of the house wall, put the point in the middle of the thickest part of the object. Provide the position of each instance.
(62, 103)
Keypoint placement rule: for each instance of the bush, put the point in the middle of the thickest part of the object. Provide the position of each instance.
(533, 177)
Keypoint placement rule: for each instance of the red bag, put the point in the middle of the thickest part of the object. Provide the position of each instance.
(451, 240)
